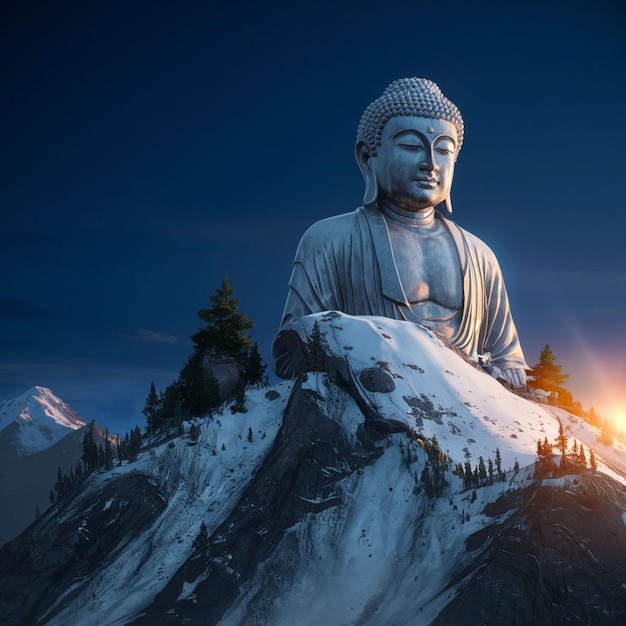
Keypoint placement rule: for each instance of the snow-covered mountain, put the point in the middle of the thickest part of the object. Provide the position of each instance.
(317, 510)
(34, 421)
(38, 434)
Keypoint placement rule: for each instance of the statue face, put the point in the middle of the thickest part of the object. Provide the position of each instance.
(414, 164)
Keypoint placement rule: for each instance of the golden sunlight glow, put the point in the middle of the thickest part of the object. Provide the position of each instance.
(618, 417)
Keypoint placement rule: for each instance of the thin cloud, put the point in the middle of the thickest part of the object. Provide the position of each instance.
(153, 336)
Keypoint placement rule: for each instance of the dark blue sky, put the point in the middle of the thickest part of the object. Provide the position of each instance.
(151, 148)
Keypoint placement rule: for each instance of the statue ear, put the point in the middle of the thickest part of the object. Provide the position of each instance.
(447, 205)
(365, 159)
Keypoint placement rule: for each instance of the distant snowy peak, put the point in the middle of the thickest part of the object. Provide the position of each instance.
(36, 420)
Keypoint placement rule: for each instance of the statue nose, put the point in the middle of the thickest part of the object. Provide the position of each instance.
(429, 164)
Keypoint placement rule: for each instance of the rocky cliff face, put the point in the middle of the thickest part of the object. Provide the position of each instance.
(317, 510)
(552, 554)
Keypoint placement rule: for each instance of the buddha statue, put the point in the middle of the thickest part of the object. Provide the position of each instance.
(397, 256)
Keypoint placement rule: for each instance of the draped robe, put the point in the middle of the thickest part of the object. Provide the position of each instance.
(346, 263)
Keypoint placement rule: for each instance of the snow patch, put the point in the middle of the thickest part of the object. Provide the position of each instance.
(188, 588)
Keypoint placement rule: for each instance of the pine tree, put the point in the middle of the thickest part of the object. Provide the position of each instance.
(152, 410)
(482, 470)
(547, 373)
(317, 348)
(198, 390)
(544, 464)
(201, 543)
(254, 368)
(458, 470)
(467, 477)
(593, 418)
(90, 450)
(134, 444)
(125, 447)
(226, 327)
(499, 471)
(169, 399)
(592, 460)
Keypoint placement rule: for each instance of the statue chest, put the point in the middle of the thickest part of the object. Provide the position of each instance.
(429, 269)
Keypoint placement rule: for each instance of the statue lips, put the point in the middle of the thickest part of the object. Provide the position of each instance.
(427, 183)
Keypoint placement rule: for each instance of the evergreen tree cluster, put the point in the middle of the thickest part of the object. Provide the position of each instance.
(482, 474)
(608, 431)
(64, 482)
(101, 455)
(547, 374)
(434, 473)
(196, 392)
(573, 458)
(97, 455)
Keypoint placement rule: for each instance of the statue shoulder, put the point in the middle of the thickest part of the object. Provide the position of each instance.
(473, 243)
(329, 232)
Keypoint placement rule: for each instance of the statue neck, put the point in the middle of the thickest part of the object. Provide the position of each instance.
(412, 219)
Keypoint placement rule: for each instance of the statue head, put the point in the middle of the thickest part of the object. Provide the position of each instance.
(416, 172)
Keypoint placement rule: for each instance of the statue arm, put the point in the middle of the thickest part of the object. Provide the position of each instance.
(313, 287)
(502, 340)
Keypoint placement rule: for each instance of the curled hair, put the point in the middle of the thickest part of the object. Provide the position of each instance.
(418, 97)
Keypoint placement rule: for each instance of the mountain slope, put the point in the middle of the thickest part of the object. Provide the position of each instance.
(316, 508)
(26, 481)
